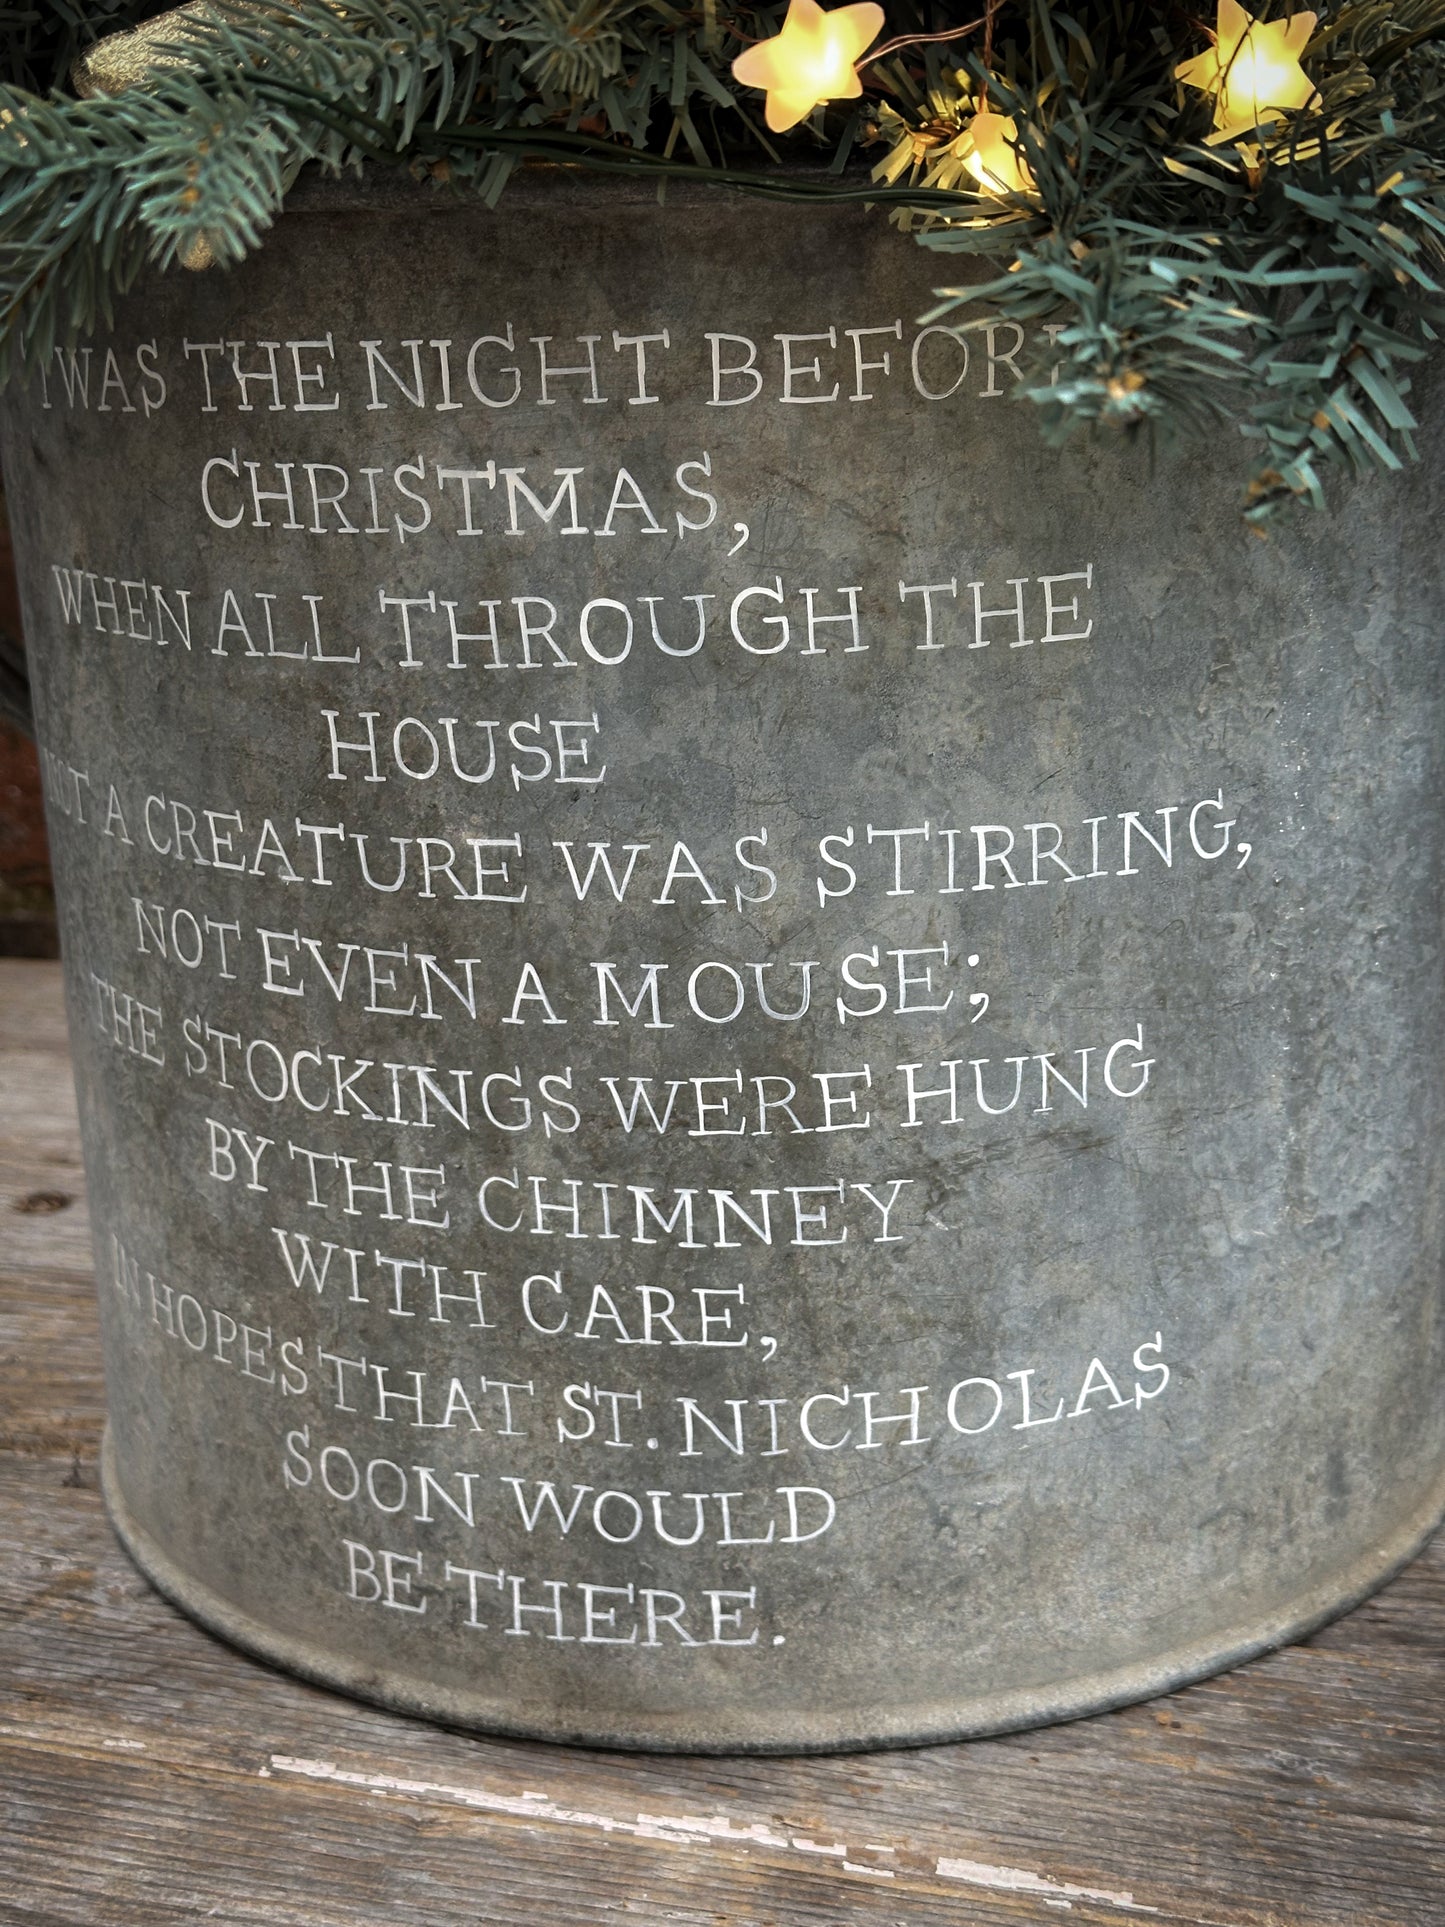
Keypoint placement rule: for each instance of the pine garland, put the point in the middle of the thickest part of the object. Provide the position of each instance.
(1287, 281)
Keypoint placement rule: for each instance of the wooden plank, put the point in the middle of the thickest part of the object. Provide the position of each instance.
(150, 1775)
(44, 1223)
(1303, 1789)
(52, 1394)
(32, 1011)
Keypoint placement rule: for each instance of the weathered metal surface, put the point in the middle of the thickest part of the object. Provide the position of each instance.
(1026, 1298)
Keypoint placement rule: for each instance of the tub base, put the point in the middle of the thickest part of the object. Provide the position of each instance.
(841, 1732)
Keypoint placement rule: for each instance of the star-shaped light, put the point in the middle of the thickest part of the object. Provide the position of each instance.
(996, 163)
(1253, 70)
(813, 59)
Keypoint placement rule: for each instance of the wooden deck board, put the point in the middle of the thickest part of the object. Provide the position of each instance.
(150, 1775)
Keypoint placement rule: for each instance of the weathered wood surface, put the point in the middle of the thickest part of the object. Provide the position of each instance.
(150, 1775)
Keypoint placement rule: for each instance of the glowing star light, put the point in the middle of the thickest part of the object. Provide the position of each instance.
(813, 59)
(995, 163)
(1253, 69)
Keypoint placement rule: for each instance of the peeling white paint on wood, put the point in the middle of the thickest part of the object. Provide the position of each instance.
(1019, 1881)
(695, 1830)
(682, 1829)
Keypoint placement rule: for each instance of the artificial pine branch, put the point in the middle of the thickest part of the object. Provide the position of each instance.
(1288, 282)
(1291, 287)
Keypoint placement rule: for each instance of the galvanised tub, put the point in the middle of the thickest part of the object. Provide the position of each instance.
(760, 1064)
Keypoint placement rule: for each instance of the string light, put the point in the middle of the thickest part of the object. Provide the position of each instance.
(995, 162)
(1253, 70)
(813, 59)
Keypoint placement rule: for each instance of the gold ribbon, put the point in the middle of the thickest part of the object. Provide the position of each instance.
(124, 60)
(129, 59)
